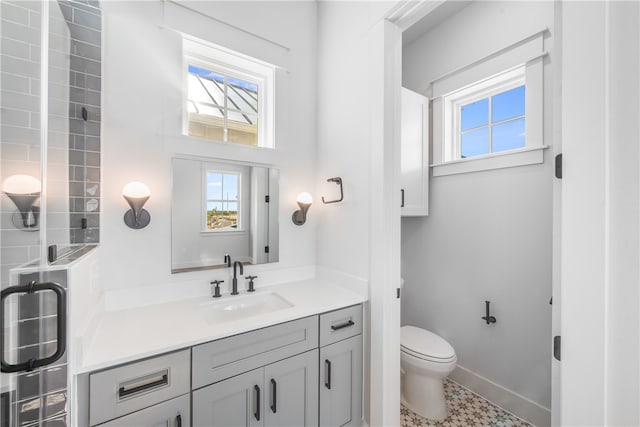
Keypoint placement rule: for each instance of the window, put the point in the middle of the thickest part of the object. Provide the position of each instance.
(222, 108)
(489, 116)
(228, 96)
(222, 212)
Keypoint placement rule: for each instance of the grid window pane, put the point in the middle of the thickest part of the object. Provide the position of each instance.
(474, 143)
(222, 216)
(475, 114)
(509, 135)
(222, 107)
(507, 105)
(223, 199)
(214, 186)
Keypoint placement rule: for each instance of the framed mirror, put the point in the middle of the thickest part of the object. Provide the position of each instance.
(221, 207)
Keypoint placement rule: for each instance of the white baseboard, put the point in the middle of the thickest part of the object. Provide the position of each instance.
(508, 400)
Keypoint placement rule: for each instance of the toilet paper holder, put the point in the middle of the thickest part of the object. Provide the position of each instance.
(488, 318)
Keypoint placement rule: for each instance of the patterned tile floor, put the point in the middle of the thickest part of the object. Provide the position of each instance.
(466, 409)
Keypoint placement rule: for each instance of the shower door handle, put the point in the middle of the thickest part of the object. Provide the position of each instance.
(61, 304)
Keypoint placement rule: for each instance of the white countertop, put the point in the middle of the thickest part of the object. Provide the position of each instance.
(134, 333)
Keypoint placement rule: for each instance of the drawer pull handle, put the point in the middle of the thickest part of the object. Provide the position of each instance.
(274, 392)
(343, 325)
(327, 381)
(124, 392)
(178, 420)
(257, 405)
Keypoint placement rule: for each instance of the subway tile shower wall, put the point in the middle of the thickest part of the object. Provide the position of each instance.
(84, 19)
(19, 120)
(40, 396)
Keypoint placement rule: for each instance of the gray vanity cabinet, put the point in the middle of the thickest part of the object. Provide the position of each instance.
(284, 393)
(341, 383)
(232, 402)
(291, 391)
(172, 413)
(341, 367)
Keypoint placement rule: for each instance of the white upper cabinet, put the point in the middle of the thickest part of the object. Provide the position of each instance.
(414, 158)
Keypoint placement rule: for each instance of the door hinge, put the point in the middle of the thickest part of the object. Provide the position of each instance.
(556, 347)
(266, 249)
(559, 166)
(266, 199)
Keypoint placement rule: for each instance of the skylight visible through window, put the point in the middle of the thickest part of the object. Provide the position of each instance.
(222, 107)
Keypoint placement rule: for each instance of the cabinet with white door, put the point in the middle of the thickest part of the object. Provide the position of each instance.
(414, 157)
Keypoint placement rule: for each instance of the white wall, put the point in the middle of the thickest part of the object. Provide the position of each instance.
(142, 125)
(489, 234)
(600, 214)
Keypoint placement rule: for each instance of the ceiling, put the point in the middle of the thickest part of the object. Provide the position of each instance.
(433, 19)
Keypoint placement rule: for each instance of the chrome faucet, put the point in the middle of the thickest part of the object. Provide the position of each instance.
(234, 289)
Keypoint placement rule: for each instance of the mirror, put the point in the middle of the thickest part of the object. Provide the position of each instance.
(220, 207)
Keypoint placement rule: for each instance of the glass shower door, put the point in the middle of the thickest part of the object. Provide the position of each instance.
(34, 96)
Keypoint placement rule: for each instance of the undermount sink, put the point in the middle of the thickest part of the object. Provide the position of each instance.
(239, 307)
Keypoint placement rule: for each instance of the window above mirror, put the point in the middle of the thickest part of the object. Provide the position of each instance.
(228, 96)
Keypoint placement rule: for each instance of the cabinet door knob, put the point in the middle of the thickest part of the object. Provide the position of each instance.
(178, 420)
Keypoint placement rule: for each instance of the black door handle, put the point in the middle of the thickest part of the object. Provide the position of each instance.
(257, 405)
(327, 381)
(402, 199)
(178, 420)
(274, 392)
(61, 304)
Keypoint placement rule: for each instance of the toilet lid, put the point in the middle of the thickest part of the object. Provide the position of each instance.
(422, 342)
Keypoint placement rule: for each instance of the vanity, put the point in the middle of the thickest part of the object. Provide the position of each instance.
(295, 364)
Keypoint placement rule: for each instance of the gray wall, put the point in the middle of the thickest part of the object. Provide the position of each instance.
(489, 234)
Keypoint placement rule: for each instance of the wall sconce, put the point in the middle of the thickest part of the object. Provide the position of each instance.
(304, 200)
(136, 194)
(23, 190)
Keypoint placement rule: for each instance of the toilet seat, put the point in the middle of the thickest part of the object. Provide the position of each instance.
(425, 345)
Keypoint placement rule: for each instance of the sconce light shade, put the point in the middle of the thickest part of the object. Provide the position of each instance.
(136, 194)
(304, 200)
(23, 190)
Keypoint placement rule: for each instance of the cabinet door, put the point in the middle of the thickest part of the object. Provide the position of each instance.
(341, 383)
(237, 401)
(172, 413)
(414, 154)
(291, 391)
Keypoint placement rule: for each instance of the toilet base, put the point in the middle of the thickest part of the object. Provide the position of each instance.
(426, 397)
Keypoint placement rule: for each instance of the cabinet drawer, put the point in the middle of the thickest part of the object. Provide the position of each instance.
(340, 324)
(217, 360)
(128, 388)
(172, 413)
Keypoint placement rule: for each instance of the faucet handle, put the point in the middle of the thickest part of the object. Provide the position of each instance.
(216, 292)
(251, 288)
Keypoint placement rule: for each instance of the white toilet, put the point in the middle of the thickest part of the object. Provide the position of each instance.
(426, 359)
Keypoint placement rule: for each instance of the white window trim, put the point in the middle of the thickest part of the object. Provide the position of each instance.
(232, 64)
(527, 55)
(454, 102)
